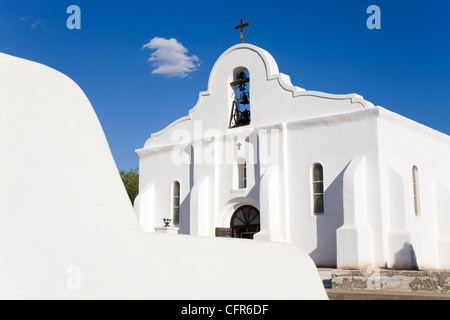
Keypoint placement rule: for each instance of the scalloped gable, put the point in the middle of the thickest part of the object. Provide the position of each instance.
(273, 97)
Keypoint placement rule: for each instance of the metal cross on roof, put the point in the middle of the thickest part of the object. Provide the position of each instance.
(242, 26)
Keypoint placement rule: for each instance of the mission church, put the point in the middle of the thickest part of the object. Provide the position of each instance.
(351, 183)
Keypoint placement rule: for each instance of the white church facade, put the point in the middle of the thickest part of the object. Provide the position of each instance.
(353, 184)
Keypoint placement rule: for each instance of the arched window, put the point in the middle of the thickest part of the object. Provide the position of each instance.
(240, 109)
(317, 189)
(415, 174)
(242, 175)
(175, 203)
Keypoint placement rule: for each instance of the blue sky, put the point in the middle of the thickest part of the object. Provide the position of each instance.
(322, 45)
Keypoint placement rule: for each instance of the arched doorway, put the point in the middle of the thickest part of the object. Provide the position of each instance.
(245, 222)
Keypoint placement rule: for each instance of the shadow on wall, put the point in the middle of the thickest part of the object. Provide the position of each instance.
(405, 258)
(185, 206)
(325, 253)
(254, 192)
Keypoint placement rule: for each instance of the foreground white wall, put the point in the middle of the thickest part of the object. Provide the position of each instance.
(64, 213)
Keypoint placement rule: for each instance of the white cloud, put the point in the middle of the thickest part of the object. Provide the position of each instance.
(34, 23)
(170, 58)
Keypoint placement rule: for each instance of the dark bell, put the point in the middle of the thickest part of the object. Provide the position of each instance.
(241, 76)
(244, 119)
(244, 99)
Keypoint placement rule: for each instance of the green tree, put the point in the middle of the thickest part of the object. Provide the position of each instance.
(131, 182)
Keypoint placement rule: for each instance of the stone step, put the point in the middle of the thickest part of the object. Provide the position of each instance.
(391, 280)
(340, 294)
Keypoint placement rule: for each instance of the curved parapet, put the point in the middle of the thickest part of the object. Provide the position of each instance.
(274, 98)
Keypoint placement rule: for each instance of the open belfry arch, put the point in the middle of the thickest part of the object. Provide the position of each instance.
(240, 110)
(323, 171)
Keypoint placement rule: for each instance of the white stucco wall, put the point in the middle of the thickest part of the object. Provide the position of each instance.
(334, 142)
(412, 239)
(67, 228)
